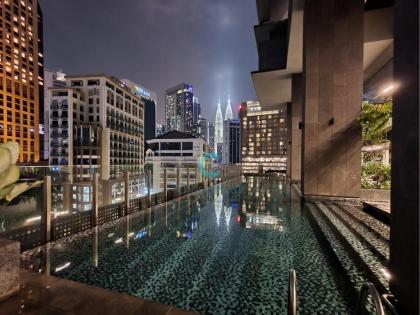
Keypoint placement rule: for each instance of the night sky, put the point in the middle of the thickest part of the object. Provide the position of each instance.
(158, 44)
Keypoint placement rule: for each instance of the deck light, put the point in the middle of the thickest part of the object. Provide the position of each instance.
(61, 267)
(386, 273)
(119, 240)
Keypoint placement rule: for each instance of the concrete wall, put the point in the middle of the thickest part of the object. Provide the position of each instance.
(375, 195)
(333, 79)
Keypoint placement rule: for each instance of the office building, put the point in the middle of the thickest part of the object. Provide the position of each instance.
(160, 129)
(149, 99)
(179, 108)
(174, 150)
(95, 121)
(51, 79)
(22, 67)
(211, 136)
(231, 141)
(196, 116)
(202, 130)
(263, 138)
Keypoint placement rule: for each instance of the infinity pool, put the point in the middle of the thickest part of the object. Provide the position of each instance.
(224, 250)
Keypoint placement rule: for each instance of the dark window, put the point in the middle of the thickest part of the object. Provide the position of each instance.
(187, 146)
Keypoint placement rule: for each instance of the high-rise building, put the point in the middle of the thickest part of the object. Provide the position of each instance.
(51, 79)
(202, 130)
(179, 108)
(232, 141)
(228, 112)
(160, 129)
(149, 99)
(196, 116)
(95, 121)
(263, 138)
(211, 136)
(22, 68)
(218, 130)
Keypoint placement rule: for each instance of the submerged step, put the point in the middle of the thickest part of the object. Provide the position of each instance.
(355, 275)
(374, 267)
(379, 228)
(377, 245)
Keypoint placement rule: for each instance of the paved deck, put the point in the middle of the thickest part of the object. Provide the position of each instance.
(47, 295)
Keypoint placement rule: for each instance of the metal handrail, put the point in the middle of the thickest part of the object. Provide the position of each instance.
(369, 288)
(292, 303)
(386, 298)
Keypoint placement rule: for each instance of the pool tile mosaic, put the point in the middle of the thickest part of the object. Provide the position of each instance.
(223, 250)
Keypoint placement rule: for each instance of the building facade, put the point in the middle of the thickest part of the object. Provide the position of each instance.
(105, 121)
(196, 116)
(160, 129)
(232, 141)
(171, 151)
(51, 79)
(263, 138)
(211, 136)
(21, 86)
(149, 99)
(179, 108)
(203, 129)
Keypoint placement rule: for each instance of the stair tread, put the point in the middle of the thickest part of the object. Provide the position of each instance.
(366, 219)
(369, 259)
(355, 275)
(379, 246)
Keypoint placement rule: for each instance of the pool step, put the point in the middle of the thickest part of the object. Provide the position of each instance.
(376, 243)
(338, 253)
(379, 228)
(360, 251)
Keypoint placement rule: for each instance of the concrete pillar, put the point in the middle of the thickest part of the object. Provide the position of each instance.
(333, 83)
(404, 239)
(296, 132)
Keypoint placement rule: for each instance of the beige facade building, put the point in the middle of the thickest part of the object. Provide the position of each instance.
(22, 71)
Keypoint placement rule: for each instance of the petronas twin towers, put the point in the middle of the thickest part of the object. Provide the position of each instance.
(218, 125)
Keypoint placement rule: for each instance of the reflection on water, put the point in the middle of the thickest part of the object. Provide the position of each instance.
(222, 250)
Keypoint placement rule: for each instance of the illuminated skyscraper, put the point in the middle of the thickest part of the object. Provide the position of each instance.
(228, 112)
(218, 129)
(179, 108)
(22, 68)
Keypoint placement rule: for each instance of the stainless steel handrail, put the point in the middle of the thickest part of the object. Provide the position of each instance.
(369, 288)
(292, 303)
(386, 298)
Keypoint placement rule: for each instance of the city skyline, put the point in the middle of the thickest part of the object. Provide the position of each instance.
(128, 52)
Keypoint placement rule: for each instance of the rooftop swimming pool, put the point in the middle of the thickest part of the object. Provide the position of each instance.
(226, 249)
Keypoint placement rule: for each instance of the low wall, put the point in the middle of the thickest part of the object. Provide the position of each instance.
(375, 195)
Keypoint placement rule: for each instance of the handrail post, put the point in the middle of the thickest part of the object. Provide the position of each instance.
(165, 184)
(95, 200)
(369, 288)
(292, 303)
(149, 187)
(46, 191)
(178, 188)
(188, 179)
(127, 192)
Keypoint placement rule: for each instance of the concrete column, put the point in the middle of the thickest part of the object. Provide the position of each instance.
(46, 213)
(333, 83)
(296, 132)
(404, 238)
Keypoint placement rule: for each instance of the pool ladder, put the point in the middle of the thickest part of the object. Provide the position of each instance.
(292, 299)
(367, 289)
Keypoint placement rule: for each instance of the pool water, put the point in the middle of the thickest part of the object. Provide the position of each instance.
(224, 250)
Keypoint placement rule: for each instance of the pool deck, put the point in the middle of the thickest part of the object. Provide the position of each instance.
(48, 295)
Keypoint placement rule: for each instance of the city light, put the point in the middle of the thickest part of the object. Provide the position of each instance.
(62, 267)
